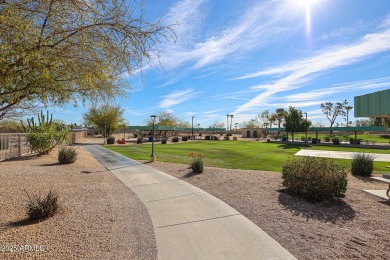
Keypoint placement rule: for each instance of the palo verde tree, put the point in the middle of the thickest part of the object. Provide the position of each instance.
(105, 118)
(294, 121)
(333, 111)
(60, 51)
(164, 118)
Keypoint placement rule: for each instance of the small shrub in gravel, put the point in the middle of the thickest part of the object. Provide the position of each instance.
(67, 154)
(235, 138)
(139, 140)
(175, 139)
(226, 138)
(314, 178)
(164, 141)
(362, 164)
(196, 163)
(110, 140)
(39, 208)
(184, 138)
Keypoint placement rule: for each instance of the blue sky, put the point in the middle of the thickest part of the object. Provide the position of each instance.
(242, 57)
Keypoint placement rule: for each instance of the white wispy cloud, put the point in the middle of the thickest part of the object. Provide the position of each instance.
(258, 26)
(177, 97)
(302, 71)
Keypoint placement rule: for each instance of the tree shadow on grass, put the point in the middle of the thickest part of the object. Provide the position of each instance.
(292, 146)
(328, 211)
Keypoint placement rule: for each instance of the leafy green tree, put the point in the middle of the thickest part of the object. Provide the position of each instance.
(294, 121)
(333, 111)
(10, 126)
(164, 118)
(264, 118)
(250, 124)
(106, 118)
(60, 51)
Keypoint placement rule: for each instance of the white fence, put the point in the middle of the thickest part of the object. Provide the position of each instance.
(13, 145)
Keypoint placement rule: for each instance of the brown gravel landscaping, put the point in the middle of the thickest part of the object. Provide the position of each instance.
(100, 217)
(356, 227)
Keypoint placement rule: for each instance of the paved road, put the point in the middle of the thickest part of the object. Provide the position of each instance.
(188, 222)
(340, 155)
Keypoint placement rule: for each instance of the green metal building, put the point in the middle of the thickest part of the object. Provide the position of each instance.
(374, 105)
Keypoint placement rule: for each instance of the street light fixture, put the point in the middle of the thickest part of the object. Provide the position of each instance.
(152, 156)
(192, 128)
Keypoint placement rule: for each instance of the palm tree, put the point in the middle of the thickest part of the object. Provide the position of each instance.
(231, 121)
(347, 108)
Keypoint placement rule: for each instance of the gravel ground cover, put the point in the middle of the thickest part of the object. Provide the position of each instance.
(100, 217)
(356, 227)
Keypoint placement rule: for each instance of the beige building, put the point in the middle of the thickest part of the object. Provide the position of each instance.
(255, 132)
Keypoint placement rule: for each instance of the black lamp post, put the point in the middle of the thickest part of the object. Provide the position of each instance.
(192, 128)
(306, 127)
(227, 122)
(152, 156)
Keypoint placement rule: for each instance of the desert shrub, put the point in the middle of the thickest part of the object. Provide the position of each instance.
(110, 140)
(216, 138)
(234, 137)
(140, 140)
(135, 135)
(39, 208)
(362, 164)
(229, 134)
(226, 138)
(336, 141)
(196, 162)
(45, 135)
(67, 154)
(175, 139)
(164, 141)
(184, 138)
(314, 178)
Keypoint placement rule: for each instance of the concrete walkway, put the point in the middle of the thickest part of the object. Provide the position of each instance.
(340, 155)
(188, 222)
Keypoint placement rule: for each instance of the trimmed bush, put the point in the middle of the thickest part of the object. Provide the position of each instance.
(229, 134)
(362, 164)
(234, 137)
(67, 155)
(110, 140)
(39, 208)
(196, 163)
(121, 141)
(135, 135)
(184, 138)
(226, 138)
(314, 178)
(140, 140)
(175, 139)
(163, 141)
(336, 141)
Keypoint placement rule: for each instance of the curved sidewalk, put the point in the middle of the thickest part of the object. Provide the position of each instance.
(340, 154)
(188, 222)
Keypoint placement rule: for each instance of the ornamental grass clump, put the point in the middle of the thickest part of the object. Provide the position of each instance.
(362, 164)
(67, 155)
(315, 179)
(39, 208)
(196, 163)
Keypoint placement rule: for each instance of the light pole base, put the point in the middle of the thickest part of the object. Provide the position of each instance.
(153, 158)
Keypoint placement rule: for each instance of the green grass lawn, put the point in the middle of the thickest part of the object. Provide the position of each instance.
(235, 154)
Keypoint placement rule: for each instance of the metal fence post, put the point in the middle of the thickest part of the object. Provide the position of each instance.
(19, 146)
